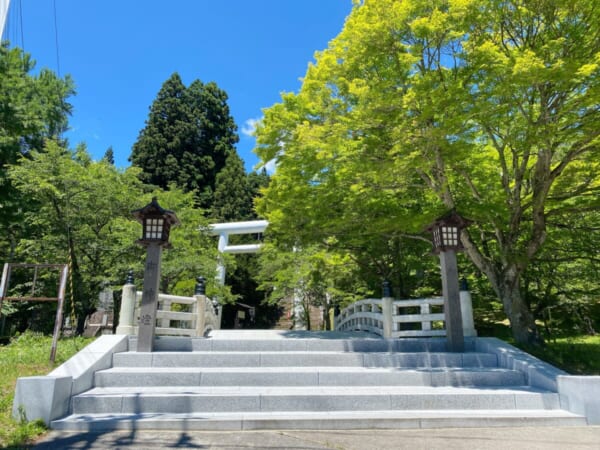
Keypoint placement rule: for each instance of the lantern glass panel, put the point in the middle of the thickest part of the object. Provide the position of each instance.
(450, 236)
(154, 228)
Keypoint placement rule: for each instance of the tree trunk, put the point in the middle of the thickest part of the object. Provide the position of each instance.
(505, 281)
(78, 296)
(522, 322)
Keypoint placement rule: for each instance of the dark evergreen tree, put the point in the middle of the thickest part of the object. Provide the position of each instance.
(256, 182)
(109, 156)
(188, 135)
(233, 195)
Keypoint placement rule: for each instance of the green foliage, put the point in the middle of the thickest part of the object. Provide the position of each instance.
(419, 107)
(577, 355)
(188, 136)
(76, 213)
(27, 355)
(193, 252)
(33, 108)
(79, 212)
(310, 276)
(109, 156)
(233, 193)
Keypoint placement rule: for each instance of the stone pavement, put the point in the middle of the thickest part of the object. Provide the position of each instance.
(546, 438)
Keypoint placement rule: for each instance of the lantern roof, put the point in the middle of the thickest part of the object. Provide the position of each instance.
(452, 219)
(153, 209)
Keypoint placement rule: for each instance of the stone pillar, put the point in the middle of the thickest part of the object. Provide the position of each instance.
(199, 295)
(387, 310)
(149, 298)
(126, 325)
(455, 341)
(425, 311)
(223, 241)
(466, 308)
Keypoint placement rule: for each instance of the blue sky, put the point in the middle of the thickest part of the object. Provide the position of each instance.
(119, 52)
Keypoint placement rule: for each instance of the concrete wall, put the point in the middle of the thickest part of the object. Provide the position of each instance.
(581, 395)
(49, 397)
(578, 394)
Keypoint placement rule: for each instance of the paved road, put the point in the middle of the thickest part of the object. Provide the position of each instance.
(546, 438)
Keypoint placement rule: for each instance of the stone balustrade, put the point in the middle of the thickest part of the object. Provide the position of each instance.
(391, 318)
(199, 319)
(406, 318)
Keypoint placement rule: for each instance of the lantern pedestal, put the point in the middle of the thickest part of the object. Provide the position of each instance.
(452, 311)
(149, 299)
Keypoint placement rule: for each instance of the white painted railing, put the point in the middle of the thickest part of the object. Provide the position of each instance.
(394, 318)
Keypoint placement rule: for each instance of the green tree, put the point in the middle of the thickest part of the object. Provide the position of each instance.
(109, 156)
(33, 108)
(188, 136)
(76, 211)
(418, 107)
(81, 214)
(308, 277)
(233, 199)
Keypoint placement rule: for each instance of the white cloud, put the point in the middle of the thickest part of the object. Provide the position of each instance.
(271, 166)
(249, 127)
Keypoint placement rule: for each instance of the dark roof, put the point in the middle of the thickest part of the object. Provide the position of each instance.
(154, 209)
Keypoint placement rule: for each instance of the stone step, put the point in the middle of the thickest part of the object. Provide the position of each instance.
(279, 340)
(330, 420)
(305, 376)
(302, 359)
(198, 399)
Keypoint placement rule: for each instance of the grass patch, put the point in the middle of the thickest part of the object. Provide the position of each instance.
(577, 355)
(27, 355)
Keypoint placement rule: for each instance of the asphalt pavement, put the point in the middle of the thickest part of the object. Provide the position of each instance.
(526, 438)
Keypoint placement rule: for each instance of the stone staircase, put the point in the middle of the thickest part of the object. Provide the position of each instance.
(295, 380)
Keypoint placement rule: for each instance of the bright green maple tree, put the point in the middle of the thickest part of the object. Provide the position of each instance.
(419, 107)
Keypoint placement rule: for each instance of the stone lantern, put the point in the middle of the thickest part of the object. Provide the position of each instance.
(156, 226)
(446, 242)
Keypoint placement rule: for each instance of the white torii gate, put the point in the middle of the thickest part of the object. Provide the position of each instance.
(223, 230)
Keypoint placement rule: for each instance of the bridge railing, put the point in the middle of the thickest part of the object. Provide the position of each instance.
(394, 318)
(198, 319)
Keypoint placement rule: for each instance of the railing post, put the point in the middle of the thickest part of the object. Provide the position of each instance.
(425, 324)
(127, 306)
(466, 309)
(165, 305)
(387, 305)
(200, 296)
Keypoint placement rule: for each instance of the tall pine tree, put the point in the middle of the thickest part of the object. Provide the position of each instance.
(233, 196)
(188, 136)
